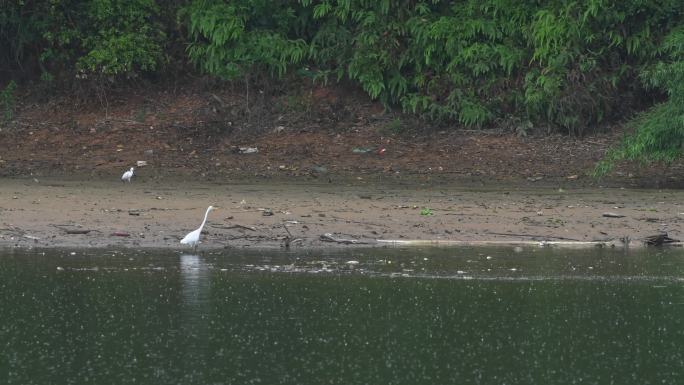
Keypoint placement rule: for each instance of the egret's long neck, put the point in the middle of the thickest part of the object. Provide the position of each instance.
(205, 219)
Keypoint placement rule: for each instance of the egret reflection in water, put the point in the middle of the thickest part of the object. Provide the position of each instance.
(195, 284)
(195, 294)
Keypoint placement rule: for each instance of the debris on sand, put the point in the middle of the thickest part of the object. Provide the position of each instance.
(247, 150)
(328, 237)
(73, 231)
(613, 215)
(659, 240)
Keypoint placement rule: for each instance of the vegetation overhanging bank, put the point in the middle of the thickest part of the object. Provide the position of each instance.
(568, 66)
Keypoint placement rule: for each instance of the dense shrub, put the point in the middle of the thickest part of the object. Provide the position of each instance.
(659, 132)
(234, 38)
(71, 39)
(122, 37)
(7, 101)
(568, 65)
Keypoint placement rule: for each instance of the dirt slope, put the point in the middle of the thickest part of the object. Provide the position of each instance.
(309, 133)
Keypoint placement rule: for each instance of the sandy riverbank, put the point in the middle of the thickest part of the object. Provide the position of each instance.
(157, 213)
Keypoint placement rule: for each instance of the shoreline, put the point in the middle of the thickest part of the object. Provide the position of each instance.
(150, 213)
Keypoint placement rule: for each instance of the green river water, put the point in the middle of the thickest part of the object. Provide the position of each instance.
(381, 316)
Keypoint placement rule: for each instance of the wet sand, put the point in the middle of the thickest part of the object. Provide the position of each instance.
(158, 213)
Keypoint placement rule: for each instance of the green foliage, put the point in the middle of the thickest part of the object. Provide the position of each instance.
(87, 38)
(426, 211)
(232, 39)
(394, 127)
(659, 132)
(588, 54)
(559, 63)
(569, 65)
(7, 100)
(124, 39)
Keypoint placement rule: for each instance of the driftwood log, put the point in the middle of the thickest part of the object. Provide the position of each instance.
(659, 240)
(327, 237)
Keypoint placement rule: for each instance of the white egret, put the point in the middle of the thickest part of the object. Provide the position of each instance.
(126, 177)
(193, 237)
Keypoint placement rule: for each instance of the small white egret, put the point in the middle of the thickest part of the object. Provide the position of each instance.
(193, 237)
(126, 177)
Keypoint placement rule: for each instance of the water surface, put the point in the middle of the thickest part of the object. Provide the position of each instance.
(388, 316)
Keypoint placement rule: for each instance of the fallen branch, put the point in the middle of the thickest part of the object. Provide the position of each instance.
(535, 236)
(659, 240)
(358, 222)
(287, 239)
(618, 242)
(74, 231)
(127, 121)
(77, 231)
(235, 226)
(327, 237)
(446, 242)
(219, 100)
(13, 229)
